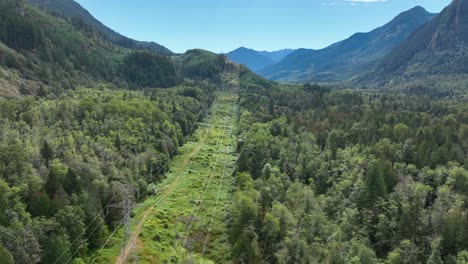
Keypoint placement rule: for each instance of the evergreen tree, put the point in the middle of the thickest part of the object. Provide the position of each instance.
(52, 184)
(47, 152)
(71, 183)
(375, 182)
(246, 249)
(451, 235)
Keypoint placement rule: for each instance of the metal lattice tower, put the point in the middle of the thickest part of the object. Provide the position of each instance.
(127, 241)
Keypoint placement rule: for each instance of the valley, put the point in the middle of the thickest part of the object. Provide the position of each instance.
(118, 150)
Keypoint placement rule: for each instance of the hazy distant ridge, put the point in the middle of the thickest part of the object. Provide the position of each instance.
(257, 60)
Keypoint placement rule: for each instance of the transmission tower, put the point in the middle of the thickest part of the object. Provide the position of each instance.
(128, 247)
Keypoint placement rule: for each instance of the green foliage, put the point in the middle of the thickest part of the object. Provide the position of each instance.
(50, 50)
(83, 20)
(201, 65)
(462, 257)
(17, 32)
(375, 183)
(54, 53)
(192, 196)
(5, 256)
(246, 248)
(60, 165)
(435, 257)
(146, 69)
(244, 213)
(47, 152)
(353, 177)
(22, 244)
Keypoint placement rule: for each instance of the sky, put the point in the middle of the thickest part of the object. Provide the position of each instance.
(224, 25)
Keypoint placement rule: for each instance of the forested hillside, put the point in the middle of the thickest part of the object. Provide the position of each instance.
(74, 11)
(42, 54)
(349, 177)
(63, 161)
(201, 65)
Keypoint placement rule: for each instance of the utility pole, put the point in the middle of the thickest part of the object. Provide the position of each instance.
(128, 246)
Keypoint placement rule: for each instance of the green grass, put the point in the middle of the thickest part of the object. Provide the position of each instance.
(192, 200)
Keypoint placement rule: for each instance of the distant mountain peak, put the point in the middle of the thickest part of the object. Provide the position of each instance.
(417, 8)
(415, 11)
(341, 60)
(438, 48)
(412, 15)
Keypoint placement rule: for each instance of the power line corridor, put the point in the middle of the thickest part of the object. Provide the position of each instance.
(185, 220)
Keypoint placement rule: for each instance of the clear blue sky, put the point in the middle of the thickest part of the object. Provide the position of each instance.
(223, 25)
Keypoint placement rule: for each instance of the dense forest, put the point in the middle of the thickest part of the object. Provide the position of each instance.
(322, 175)
(349, 177)
(64, 160)
(52, 50)
(95, 126)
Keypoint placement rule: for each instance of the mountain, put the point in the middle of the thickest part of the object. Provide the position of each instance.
(250, 58)
(71, 9)
(45, 54)
(340, 60)
(276, 56)
(438, 51)
(257, 60)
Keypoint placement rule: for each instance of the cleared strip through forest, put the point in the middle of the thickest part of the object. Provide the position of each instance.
(160, 223)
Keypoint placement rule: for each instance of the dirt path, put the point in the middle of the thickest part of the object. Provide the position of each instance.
(136, 232)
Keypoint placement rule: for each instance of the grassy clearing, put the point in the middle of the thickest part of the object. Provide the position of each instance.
(186, 220)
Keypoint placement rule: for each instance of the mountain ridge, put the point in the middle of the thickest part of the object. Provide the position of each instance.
(72, 9)
(42, 53)
(340, 60)
(257, 60)
(438, 48)
(276, 55)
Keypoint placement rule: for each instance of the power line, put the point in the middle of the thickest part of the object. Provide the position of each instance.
(141, 195)
(205, 186)
(128, 238)
(92, 232)
(217, 195)
(127, 206)
(84, 230)
(207, 182)
(107, 241)
(132, 238)
(216, 202)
